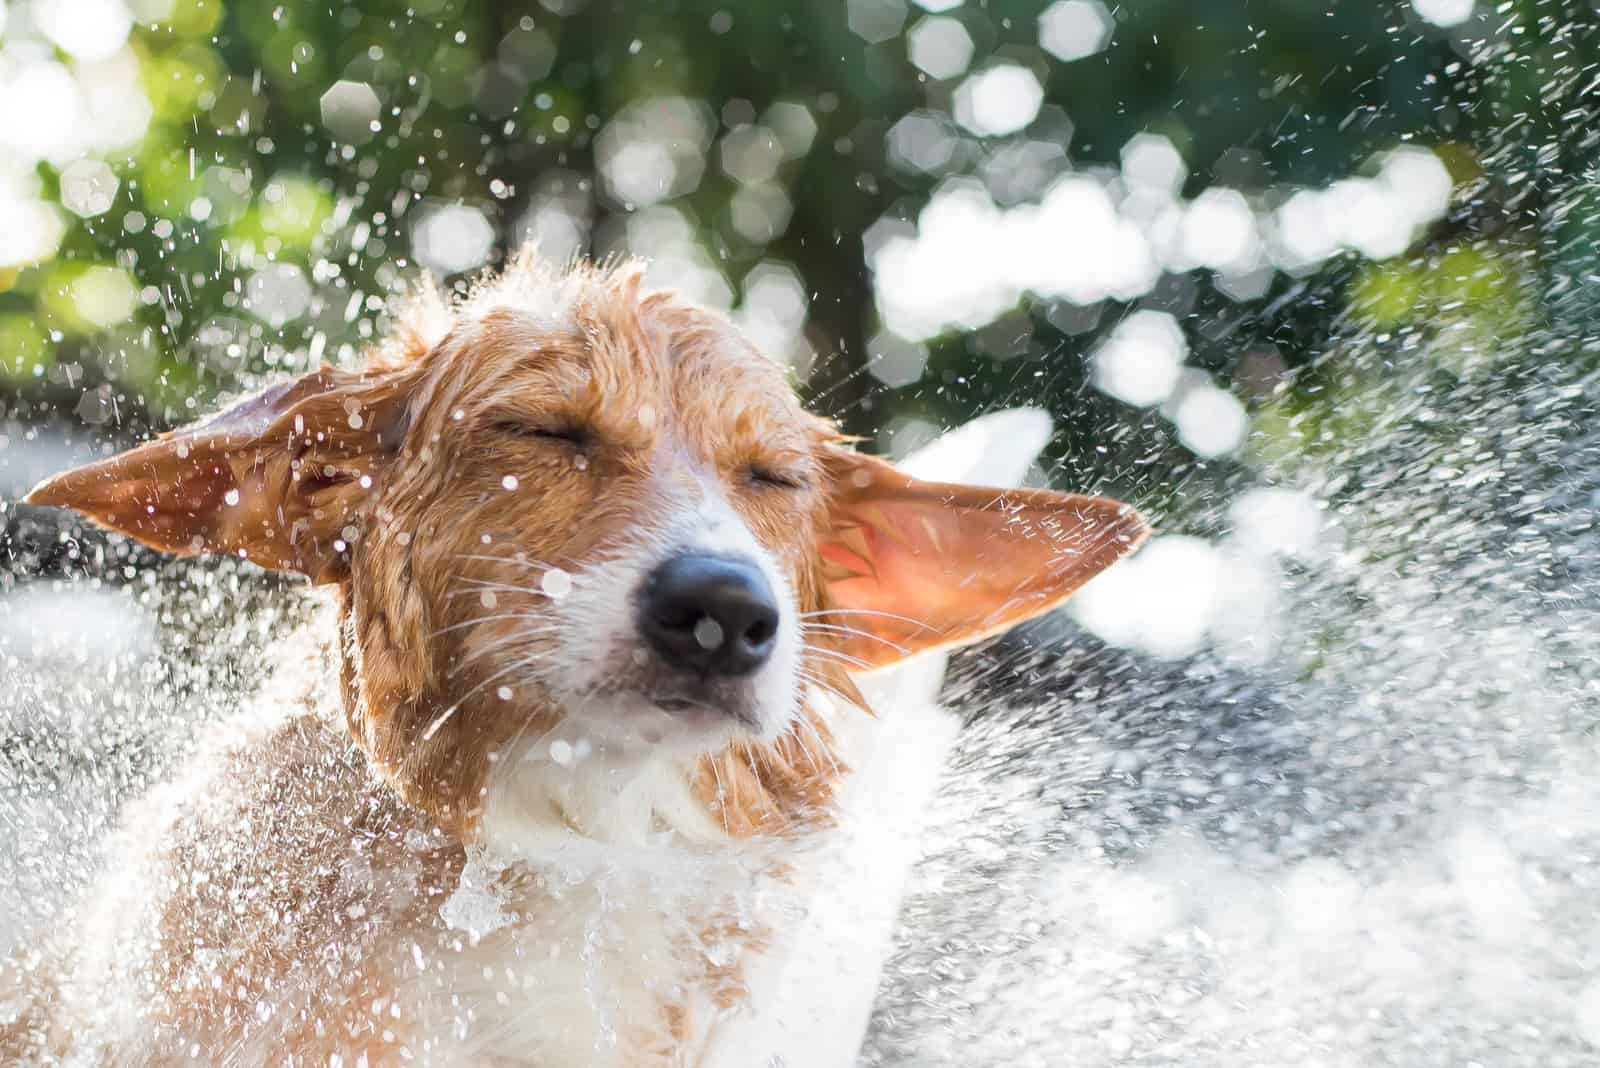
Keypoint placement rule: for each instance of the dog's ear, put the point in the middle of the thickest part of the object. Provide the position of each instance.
(279, 478)
(912, 566)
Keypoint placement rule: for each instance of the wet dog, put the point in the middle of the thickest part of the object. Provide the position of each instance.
(603, 585)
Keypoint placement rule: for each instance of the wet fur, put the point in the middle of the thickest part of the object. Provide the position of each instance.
(288, 897)
(713, 397)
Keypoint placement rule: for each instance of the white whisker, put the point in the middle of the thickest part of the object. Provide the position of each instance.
(501, 644)
(478, 586)
(433, 728)
(520, 561)
(856, 631)
(476, 620)
(864, 612)
(834, 654)
(722, 790)
(527, 661)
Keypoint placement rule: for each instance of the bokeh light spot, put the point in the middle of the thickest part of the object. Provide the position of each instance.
(452, 238)
(349, 110)
(875, 20)
(940, 47)
(85, 29)
(88, 188)
(1075, 29)
(1211, 422)
(1444, 12)
(278, 293)
(999, 101)
(1140, 362)
(894, 361)
(922, 141)
(103, 296)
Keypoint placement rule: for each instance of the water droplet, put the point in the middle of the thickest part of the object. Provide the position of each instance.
(231, 497)
(504, 693)
(561, 752)
(509, 483)
(556, 583)
(708, 633)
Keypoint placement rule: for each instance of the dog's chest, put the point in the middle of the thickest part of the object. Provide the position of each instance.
(585, 952)
(555, 968)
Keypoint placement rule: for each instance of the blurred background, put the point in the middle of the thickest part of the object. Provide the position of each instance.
(924, 210)
(1312, 284)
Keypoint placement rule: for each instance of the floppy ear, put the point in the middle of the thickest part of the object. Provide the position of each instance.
(277, 478)
(919, 565)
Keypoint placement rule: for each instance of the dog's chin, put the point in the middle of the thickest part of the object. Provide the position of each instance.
(683, 721)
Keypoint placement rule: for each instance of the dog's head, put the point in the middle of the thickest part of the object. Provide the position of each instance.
(567, 508)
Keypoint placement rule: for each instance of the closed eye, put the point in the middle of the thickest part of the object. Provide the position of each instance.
(571, 433)
(778, 478)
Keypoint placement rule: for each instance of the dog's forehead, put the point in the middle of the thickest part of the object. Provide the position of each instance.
(721, 384)
(656, 359)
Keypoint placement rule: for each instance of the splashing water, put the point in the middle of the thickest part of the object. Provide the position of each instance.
(555, 583)
(1366, 838)
(1313, 780)
(1374, 846)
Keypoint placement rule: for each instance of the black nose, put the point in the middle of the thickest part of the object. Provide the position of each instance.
(710, 614)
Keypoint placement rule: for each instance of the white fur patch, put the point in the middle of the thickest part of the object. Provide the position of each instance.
(637, 900)
(599, 672)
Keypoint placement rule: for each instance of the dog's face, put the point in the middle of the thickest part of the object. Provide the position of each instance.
(616, 521)
(565, 508)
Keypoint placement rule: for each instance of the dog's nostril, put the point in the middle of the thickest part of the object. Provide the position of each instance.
(710, 614)
(676, 614)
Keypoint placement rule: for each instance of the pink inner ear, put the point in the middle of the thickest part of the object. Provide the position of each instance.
(915, 566)
(835, 553)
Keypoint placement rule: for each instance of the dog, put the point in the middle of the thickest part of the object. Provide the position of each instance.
(603, 586)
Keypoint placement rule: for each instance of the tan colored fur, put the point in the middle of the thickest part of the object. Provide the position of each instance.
(241, 923)
(718, 406)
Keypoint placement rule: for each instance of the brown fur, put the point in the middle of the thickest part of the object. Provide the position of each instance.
(387, 483)
(719, 407)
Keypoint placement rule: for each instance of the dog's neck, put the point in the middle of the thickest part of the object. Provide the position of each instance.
(547, 791)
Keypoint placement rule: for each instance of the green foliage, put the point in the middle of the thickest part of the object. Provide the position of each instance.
(480, 102)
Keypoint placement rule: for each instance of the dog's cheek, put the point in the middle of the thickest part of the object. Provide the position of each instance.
(596, 625)
(388, 624)
(397, 579)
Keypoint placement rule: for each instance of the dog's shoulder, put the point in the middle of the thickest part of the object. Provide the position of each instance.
(30, 980)
(268, 876)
